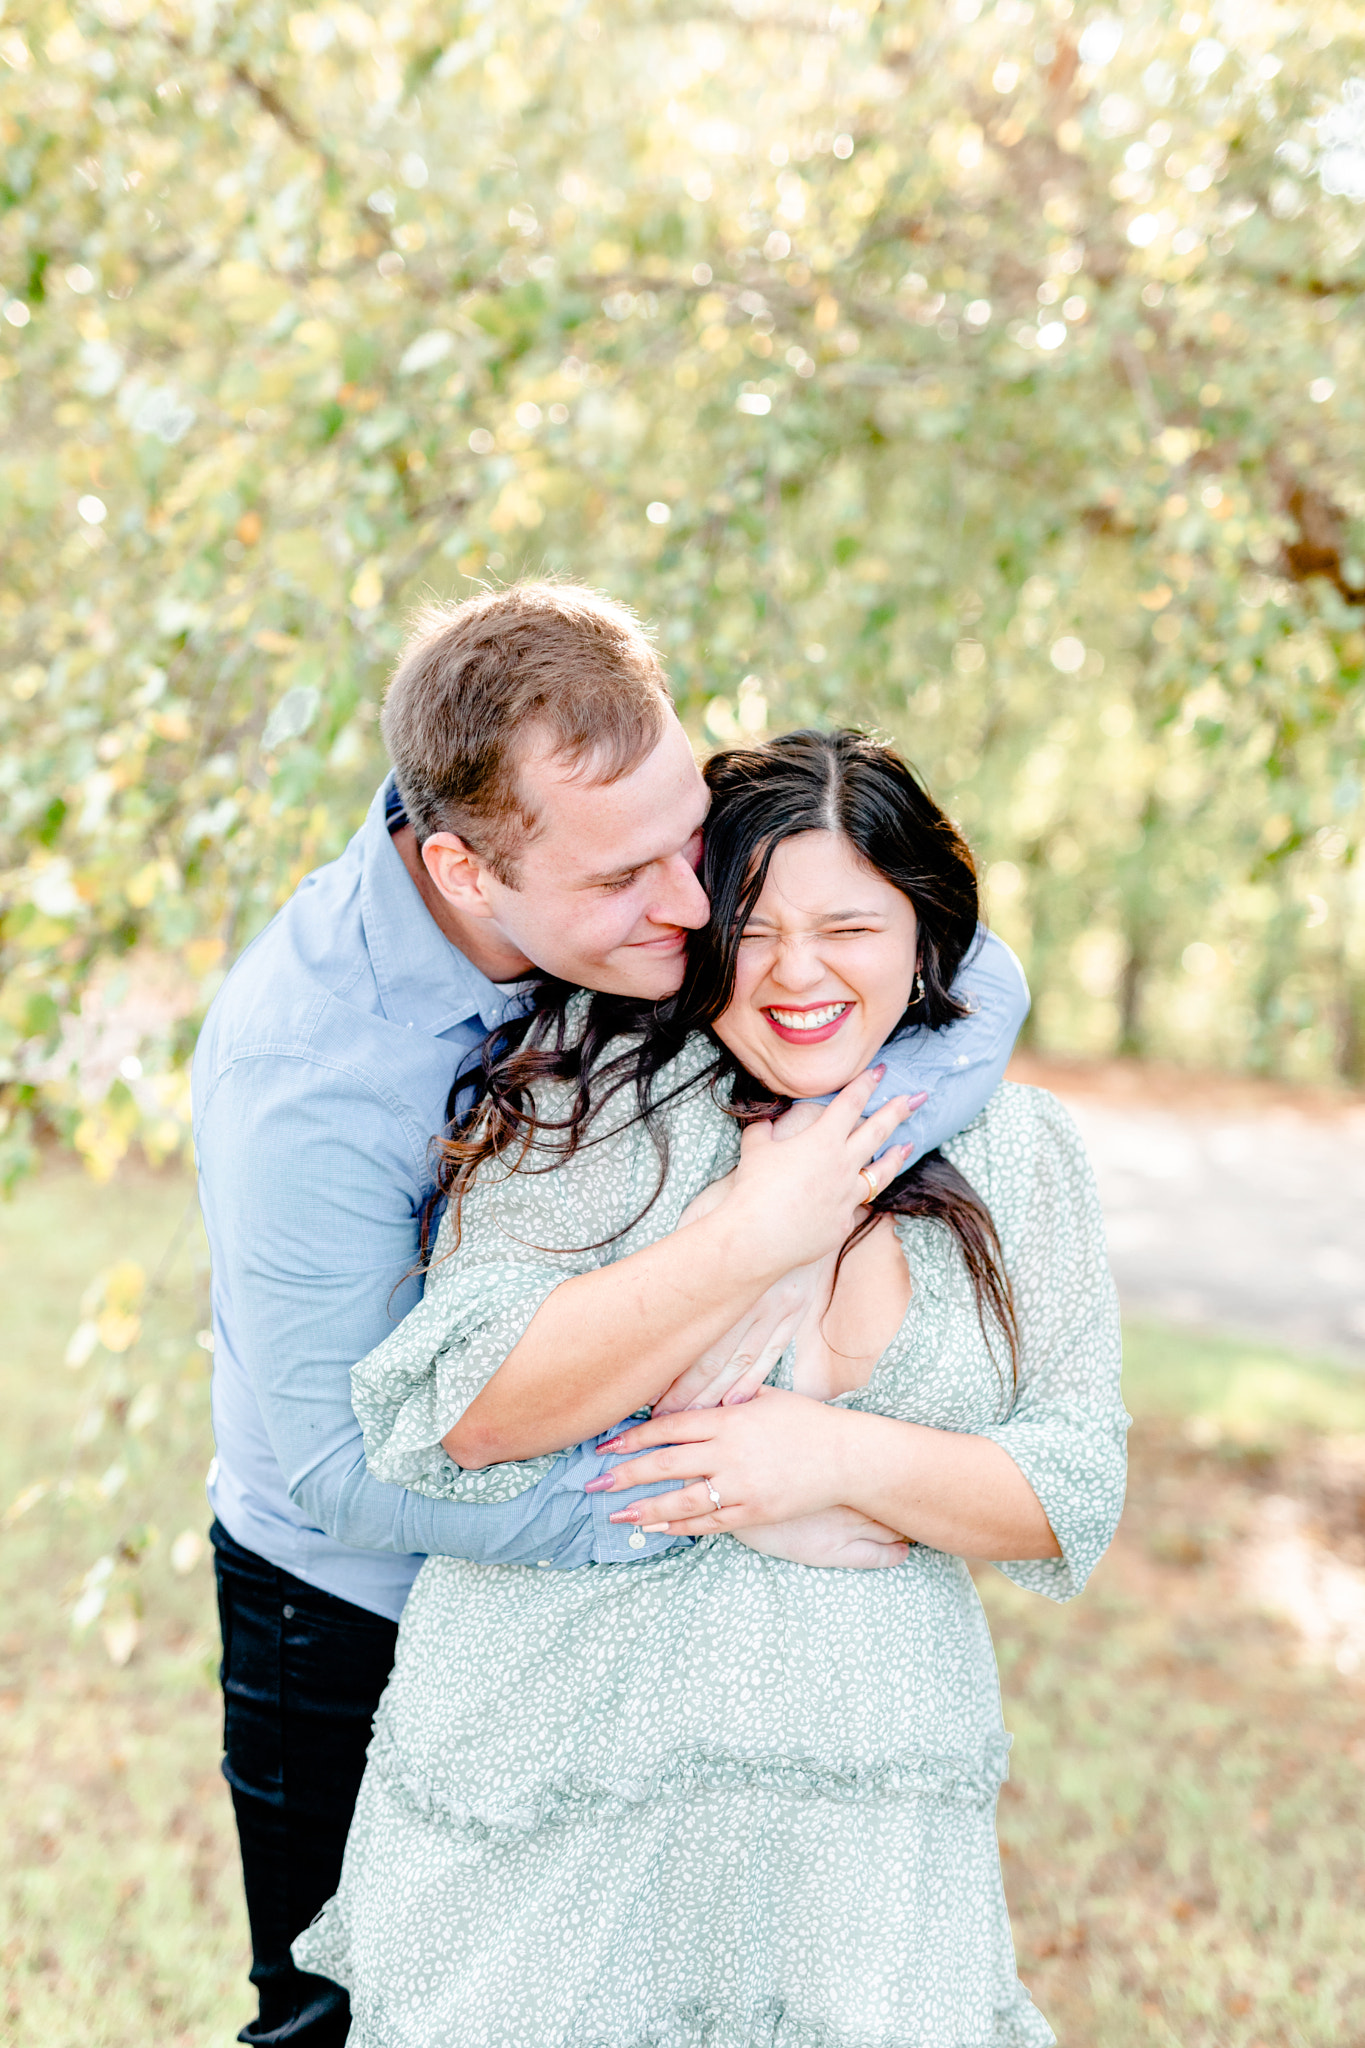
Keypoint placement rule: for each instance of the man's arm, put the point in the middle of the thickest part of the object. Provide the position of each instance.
(960, 1067)
(307, 1181)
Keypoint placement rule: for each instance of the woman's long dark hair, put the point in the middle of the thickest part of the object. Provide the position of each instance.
(808, 781)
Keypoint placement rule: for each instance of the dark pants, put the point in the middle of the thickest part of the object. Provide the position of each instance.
(302, 1673)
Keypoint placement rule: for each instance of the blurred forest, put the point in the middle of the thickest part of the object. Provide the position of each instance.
(988, 373)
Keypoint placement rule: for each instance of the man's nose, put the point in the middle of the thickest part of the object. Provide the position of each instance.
(682, 900)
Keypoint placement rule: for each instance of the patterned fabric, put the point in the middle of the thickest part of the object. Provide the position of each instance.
(716, 1800)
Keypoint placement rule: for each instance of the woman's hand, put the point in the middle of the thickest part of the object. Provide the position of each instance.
(733, 1368)
(840, 1539)
(773, 1459)
(782, 1456)
(794, 1199)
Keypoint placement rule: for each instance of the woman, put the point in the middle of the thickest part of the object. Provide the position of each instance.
(720, 1799)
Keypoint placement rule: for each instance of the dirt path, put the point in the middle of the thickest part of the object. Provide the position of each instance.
(1231, 1205)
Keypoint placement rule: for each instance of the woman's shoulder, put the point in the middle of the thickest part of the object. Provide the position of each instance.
(1022, 1137)
(678, 1076)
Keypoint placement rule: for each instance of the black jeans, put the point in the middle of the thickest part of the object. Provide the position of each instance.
(302, 1673)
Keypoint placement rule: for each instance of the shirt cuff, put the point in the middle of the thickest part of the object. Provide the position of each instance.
(623, 1542)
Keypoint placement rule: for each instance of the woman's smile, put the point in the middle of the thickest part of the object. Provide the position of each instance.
(807, 1026)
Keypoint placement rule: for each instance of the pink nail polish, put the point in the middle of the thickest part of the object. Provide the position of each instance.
(614, 1445)
(603, 1484)
(625, 1515)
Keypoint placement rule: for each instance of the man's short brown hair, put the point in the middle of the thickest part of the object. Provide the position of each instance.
(542, 663)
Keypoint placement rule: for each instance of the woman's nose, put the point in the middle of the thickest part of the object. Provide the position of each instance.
(796, 966)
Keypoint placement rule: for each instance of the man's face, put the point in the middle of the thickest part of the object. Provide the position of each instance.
(606, 891)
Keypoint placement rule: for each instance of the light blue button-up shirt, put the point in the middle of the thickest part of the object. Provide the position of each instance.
(322, 1072)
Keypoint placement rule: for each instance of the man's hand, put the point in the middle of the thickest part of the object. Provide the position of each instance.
(839, 1538)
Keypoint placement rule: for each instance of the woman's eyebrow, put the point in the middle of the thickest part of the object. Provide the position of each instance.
(821, 917)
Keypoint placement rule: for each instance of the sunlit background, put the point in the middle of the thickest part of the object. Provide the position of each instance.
(987, 374)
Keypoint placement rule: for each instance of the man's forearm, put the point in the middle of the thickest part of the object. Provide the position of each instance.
(553, 1523)
(959, 1067)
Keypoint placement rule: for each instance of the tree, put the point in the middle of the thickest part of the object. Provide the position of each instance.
(985, 373)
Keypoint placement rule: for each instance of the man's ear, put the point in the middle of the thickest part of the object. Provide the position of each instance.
(458, 874)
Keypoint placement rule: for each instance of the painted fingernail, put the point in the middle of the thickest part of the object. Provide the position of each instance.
(614, 1445)
(602, 1484)
(917, 1101)
(625, 1515)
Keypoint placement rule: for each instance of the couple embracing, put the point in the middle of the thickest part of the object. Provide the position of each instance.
(642, 1134)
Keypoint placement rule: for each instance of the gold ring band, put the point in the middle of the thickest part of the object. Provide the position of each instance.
(866, 1174)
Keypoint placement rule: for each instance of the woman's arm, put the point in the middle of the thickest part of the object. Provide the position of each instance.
(606, 1342)
(784, 1454)
(1040, 1492)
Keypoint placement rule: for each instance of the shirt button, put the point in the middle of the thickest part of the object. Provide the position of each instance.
(637, 1541)
(288, 1613)
(542, 1563)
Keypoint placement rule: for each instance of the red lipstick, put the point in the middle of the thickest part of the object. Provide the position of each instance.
(816, 1037)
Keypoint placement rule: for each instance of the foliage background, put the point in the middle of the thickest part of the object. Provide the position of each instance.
(983, 370)
(989, 372)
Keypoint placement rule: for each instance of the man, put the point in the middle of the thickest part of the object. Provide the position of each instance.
(545, 810)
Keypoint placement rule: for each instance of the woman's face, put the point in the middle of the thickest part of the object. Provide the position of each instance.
(826, 964)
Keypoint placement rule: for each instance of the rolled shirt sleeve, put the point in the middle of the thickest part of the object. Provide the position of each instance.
(960, 1066)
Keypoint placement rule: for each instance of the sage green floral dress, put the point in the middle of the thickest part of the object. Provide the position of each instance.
(715, 1799)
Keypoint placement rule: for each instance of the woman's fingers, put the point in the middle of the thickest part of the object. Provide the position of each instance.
(886, 1169)
(693, 1426)
(691, 1503)
(848, 1105)
(679, 1464)
(874, 1130)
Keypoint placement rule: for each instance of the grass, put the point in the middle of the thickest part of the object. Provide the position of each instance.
(1181, 1832)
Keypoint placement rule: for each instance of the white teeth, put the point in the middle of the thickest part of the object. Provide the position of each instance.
(807, 1020)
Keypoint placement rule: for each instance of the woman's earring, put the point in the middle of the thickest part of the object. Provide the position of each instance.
(919, 986)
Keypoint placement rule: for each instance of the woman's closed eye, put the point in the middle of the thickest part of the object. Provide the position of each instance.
(842, 931)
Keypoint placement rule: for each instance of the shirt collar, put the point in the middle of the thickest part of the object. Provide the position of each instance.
(423, 980)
